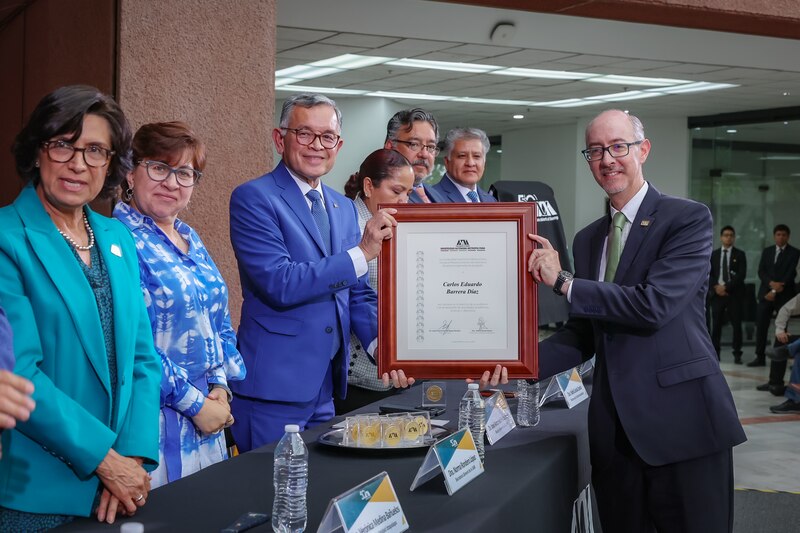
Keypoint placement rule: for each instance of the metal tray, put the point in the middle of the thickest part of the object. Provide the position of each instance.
(335, 437)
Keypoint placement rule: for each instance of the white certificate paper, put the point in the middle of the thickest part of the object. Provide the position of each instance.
(457, 291)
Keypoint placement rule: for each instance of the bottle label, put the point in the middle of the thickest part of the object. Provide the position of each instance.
(456, 457)
(369, 506)
(499, 420)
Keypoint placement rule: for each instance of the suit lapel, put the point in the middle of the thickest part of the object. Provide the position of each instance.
(640, 227)
(297, 203)
(334, 210)
(110, 248)
(596, 247)
(65, 274)
(451, 192)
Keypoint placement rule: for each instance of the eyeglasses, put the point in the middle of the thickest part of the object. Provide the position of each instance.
(307, 137)
(63, 152)
(415, 146)
(615, 150)
(158, 171)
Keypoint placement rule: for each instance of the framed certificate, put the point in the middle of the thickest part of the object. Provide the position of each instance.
(455, 296)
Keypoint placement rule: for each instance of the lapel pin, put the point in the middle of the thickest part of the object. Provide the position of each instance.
(644, 223)
(116, 250)
(335, 204)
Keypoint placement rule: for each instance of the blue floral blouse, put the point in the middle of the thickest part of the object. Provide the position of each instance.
(187, 301)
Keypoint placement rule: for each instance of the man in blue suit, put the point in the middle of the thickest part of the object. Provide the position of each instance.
(415, 134)
(662, 421)
(15, 391)
(303, 267)
(465, 159)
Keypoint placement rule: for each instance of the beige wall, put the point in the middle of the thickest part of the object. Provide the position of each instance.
(210, 63)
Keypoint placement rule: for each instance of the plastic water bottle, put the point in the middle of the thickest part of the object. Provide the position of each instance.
(131, 527)
(528, 403)
(472, 415)
(290, 480)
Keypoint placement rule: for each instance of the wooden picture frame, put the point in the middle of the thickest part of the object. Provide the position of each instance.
(484, 313)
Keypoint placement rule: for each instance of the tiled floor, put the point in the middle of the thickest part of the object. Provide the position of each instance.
(768, 460)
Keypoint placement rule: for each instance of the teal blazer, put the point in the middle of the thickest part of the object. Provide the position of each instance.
(49, 461)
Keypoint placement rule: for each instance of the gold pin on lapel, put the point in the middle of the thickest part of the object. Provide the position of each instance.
(644, 223)
(116, 250)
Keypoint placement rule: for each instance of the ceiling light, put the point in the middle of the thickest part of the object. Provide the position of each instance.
(499, 151)
(730, 131)
(693, 87)
(636, 80)
(285, 81)
(518, 117)
(569, 102)
(306, 72)
(472, 100)
(351, 61)
(547, 74)
(409, 96)
(323, 90)
(787, 93)
(443, 65)
(619, 97)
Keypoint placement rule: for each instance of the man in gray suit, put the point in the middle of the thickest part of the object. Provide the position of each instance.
(465, 159)
(414, 133)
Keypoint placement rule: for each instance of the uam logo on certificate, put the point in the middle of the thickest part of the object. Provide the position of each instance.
(370, 507)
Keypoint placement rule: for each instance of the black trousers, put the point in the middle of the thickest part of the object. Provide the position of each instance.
(734, 305)
(764, 313)
(777, 369)
(692, 496)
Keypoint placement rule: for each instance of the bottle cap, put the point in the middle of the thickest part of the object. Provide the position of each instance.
(472, 386)
(291, 428)
(132, 527)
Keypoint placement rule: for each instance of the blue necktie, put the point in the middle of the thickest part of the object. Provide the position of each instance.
(473, 197)
(321, 218)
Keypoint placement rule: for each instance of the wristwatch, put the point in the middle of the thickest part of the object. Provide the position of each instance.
(562, 278)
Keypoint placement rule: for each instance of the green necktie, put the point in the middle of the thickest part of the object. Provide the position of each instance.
(614, 245)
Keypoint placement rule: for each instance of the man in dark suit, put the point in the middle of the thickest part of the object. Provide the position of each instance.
(303, 265)
(465, 159)
(662, 421)
(726, 290)
(415, 134)
(776, 270)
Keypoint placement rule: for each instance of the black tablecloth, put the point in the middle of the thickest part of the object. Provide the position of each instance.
(532, 477)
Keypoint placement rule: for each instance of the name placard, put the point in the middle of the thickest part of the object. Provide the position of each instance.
(499, 420)
(454, 456)
(572, 388)
(371, 507)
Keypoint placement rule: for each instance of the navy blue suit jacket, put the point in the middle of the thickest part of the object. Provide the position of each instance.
(451, 193)
(296, 297)
(649, 333)
(433, 195)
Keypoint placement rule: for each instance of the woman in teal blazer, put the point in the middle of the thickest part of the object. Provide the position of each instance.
(69, 282)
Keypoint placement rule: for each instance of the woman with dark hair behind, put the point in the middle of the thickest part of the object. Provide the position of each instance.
(385, 177)
(69, 282)
(187, 300)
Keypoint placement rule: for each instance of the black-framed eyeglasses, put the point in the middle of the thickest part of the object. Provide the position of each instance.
(307, 137)
(416, 146)
(63, 152)
(160, 171)
(595, 153)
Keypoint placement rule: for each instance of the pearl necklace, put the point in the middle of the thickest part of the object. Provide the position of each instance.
(89, 232)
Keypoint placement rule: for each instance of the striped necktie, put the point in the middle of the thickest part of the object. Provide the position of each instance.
(473, 197)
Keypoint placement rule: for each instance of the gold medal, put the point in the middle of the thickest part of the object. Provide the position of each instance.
(434, 393)
(411, 430)
(422, 424)
(391, 435)
(370, 434)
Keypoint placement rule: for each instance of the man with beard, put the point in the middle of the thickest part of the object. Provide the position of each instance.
(414, 133)
(662, 422)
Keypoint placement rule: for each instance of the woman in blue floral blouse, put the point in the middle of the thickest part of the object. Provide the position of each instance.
(186, 298)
